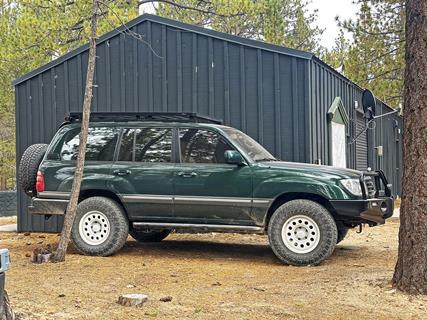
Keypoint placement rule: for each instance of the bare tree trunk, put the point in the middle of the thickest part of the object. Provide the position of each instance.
(7, 312)
(410, 274)
(59, 255)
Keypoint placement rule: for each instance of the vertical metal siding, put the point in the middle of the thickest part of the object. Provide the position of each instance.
(361, 143)
(261, 92)
(279, 99)
(326, 85)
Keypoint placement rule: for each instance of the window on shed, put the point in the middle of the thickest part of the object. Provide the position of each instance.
(338, 119)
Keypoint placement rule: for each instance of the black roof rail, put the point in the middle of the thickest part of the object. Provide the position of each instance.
(142, 116)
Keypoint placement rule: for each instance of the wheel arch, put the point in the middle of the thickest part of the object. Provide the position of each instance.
(289, 196)
(88, 193)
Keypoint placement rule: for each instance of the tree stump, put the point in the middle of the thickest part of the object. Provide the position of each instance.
(42, 255)
(132, 300)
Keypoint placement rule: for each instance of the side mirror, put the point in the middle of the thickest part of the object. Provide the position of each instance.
(234, 157)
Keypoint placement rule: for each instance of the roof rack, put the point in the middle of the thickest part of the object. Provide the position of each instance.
(142, 116)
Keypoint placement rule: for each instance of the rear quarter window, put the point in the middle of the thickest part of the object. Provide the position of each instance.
(101, 144)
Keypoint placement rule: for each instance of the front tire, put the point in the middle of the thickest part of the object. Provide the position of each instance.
(100, 227)
(302, 232)
(149, 235)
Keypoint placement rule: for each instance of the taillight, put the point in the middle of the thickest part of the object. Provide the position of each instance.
(40, 182)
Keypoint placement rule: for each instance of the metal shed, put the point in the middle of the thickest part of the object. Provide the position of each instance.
(279, 96)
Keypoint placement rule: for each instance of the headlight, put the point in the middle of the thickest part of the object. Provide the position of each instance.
(353, 186)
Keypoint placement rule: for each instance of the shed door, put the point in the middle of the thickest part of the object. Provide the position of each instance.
(338, 145)
(361, 144)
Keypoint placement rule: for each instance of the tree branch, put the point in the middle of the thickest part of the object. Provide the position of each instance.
(185, 7)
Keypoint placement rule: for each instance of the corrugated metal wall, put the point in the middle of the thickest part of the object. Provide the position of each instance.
(278, 96)
(326, 84)
(361, 143)
(264, 93)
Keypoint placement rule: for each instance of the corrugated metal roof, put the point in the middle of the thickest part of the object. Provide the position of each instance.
(170, 23)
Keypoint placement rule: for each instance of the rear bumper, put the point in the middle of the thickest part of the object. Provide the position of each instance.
(48, 206)
(371, 211)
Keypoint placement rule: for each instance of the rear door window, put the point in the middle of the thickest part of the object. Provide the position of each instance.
(101, 143)
(146, 145)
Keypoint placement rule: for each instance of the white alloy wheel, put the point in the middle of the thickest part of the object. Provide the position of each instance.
(94, 228)
(300, 234)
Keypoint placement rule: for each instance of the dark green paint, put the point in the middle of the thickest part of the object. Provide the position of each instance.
(198, 193)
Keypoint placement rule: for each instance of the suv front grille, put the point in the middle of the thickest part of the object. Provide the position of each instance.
(370, 187)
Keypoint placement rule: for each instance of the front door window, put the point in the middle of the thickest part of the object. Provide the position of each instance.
(202, 146)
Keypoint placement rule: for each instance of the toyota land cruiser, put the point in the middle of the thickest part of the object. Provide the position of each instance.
(148, 178)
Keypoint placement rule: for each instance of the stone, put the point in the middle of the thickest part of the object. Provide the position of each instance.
(132, 300)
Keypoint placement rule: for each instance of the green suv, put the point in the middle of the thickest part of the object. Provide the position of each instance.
(148, 178)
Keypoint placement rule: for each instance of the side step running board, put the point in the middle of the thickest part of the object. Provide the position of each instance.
(198, 227)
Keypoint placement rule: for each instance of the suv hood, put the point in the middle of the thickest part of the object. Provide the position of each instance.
(340, 173)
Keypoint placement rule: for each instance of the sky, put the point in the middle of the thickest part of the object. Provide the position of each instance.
(327, 11)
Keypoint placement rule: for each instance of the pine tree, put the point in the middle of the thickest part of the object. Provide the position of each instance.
(32, 33)
(283, 22)
(375, 59)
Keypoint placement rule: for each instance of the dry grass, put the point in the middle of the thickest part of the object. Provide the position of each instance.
(7, 220)
(213, 276)
(397, 203)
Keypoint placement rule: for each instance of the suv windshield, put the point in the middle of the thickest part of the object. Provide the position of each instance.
(252, 148)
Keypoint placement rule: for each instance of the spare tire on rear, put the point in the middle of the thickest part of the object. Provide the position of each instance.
(28, 166)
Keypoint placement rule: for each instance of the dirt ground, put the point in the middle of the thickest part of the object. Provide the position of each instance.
(212, 276)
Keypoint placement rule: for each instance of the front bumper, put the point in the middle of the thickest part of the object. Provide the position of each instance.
(43, 206)
(371, 211)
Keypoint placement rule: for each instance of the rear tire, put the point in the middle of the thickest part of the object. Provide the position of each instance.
(28, 167)
(302, 232)
(100, 227)
(141, 235)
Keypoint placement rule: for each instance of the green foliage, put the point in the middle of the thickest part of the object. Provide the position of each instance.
(32, 33)
(282, 22)
(375, 59)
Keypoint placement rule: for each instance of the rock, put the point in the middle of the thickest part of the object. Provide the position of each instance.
(217, 284)
(132, 300)
(61, 295)
(130, 286)
(166, 299)
(27, 234)
(28, 255)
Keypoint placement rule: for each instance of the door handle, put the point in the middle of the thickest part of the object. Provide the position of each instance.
(122, 172)
(187, 174)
